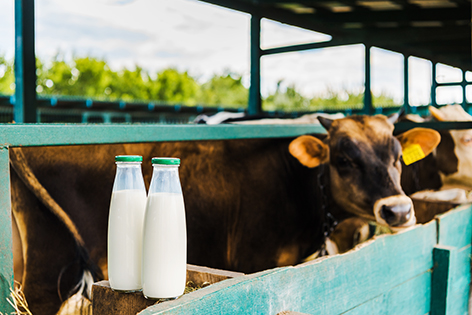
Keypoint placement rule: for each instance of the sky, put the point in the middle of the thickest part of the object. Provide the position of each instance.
(205, 39)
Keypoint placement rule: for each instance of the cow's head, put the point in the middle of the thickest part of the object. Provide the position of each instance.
(454, 153)
(364, 165)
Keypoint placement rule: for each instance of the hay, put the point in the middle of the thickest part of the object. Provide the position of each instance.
(18, 301)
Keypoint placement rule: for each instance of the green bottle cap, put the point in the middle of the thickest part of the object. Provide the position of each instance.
(165, 161)
(128, 158)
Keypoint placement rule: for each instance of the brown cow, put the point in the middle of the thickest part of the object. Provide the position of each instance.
(251, 204)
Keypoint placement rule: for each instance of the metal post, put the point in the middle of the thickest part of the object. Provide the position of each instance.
(434, 85)
(368, 108)
(25, 63)
(464, 91)
(255, 105)
(406, 85)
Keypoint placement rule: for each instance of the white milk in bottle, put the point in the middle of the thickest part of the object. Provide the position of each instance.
(125, 225)
(165, 233)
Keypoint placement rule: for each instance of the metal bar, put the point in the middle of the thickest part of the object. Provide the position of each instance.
(438, 84)
(368, 107)
(464, 91)
(255, 104)
(292, 48)
(434, 85)
(25, 63)
(64, 134)
(406, 85)
(443, 125)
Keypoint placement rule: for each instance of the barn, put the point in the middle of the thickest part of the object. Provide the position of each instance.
(423, 269)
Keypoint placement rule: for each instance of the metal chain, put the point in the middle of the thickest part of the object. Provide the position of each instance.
(330, 221)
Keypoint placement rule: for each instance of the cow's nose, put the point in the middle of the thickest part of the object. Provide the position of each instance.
(396, 215)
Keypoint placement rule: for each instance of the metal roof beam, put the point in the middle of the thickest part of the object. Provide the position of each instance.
(400, 16)
(293, 48)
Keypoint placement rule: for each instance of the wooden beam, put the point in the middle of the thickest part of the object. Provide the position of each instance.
(6, 249)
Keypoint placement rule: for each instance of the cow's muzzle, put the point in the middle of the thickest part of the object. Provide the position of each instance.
(397, 212)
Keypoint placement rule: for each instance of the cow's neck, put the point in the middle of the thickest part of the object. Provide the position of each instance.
(332, 209)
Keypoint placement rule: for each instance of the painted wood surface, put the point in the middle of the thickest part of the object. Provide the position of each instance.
(106, 301)
(6, 254)
(58, 134)
(380, 274)
(455, 235)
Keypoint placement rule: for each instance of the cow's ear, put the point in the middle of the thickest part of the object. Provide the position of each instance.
(428, 139)
(437, 114)
(310, 151)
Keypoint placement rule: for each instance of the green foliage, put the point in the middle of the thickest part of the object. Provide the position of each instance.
(7, 76)
(92, 77)
(226, 89)
(174, 87)
(288, 100)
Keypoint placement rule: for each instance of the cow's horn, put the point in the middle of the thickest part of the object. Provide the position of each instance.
(325, 122)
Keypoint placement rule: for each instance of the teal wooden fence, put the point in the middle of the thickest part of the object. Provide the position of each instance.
(424, 270)
(12, 135)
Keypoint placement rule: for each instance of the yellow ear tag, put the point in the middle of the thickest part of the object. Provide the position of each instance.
(412, 153)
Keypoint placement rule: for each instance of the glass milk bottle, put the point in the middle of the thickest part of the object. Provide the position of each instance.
(125, 224)
(165, 233)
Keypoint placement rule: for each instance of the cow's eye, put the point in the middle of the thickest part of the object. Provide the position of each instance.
(342, 161)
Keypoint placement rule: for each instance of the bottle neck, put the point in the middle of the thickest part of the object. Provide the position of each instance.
(129, 176)
(128, 164)
(165, 179)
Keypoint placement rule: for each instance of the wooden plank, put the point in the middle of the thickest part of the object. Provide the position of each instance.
(6, 254)
(455, 227)
(106, 301)
(440, 279)
(410, 297)
(459, 284)
(58, 134)
(203, 275)
(453, 261)
(450, 280)
(332, 285)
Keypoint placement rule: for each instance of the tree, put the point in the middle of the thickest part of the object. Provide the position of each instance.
(7, 76)
(224, 90)
(288, 99)
(173, 86)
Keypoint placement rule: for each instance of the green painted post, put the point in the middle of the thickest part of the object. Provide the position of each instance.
(368, 108)
(406, 84)
(255, 104)
(25, 63)
(434, 85)
(6, 254)
(440, 278)
(443, 298)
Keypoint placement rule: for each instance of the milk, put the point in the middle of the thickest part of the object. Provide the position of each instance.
(164, 246)
(125, 236)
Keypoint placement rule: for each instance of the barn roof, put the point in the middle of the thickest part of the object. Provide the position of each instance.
(438, 30)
